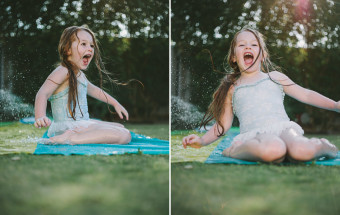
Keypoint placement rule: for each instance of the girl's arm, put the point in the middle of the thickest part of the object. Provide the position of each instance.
(305, 95)
(195, 141)
(101, 95)
(53, 81)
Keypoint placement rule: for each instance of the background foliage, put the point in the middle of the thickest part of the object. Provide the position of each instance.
(133, 38)
(302, 37)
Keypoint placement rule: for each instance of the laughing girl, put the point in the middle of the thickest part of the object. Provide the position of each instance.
(254, 92)
(67, 88)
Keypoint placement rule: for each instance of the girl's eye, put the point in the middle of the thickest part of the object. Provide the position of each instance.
(92, 46)
(83, 44)
(254, 44)
(240, 45)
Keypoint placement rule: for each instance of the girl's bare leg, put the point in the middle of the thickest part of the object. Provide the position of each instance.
(264, 147)
(300, 148)
(95, 133)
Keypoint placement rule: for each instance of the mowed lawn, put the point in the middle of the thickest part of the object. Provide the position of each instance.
(48, 184)
(198, 188)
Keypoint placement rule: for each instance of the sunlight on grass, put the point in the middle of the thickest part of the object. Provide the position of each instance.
(179, 154)
(19, 138)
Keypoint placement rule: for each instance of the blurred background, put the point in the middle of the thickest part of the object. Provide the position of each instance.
(133, 37)
(302, 37)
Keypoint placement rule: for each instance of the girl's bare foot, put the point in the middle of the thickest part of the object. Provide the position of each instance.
(333, 150)
(226, 152)
(63, 138)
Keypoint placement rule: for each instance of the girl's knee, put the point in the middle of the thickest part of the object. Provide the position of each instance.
(120, 125)
(124, 136)
(115, 124)
(272, 150)
(304, 149)
(127, 137)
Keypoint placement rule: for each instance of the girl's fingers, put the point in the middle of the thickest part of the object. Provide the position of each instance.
(188, 140)
(46, 121)
(127, 115)
(41, 122)
(120, 114)
(184, 142)
(191, 138)
(38, 124)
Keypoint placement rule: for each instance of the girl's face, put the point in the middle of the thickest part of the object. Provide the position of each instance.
(246, 51)
(82, 50)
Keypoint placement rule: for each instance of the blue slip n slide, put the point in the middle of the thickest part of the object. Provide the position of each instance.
(139, 144)
(27, 120)
(217, 157)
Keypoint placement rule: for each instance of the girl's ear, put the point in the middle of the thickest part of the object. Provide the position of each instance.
(69, 52)
(234, 59)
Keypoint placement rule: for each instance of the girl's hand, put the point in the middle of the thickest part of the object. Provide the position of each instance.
(42, 122)
(192, 140)
(121, 111)
(337, 106)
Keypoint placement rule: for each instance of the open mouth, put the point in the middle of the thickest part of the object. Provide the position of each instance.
(248, 58)
(86, 59)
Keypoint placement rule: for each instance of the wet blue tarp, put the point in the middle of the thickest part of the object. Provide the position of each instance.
(139, 144)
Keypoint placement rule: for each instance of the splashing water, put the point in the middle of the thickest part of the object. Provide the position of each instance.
(12, 107)
(184, 115)
(24, 144)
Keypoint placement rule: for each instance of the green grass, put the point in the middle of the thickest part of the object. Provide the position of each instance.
(198, 188)
(121, 184)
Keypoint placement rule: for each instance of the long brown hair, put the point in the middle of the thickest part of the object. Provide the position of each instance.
(216, 108)
(68, 36)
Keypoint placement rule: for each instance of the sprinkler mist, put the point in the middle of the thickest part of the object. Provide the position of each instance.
(12, 107)
(184, 115)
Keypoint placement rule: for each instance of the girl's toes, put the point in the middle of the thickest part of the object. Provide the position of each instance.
(226, 152)
(334, 149)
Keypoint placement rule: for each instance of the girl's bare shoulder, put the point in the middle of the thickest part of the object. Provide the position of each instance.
(60, 70)
(280, 77)
(59, 74)
(277, 74)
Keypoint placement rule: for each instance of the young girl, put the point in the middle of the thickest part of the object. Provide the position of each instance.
(67, 87)
(255, 94)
